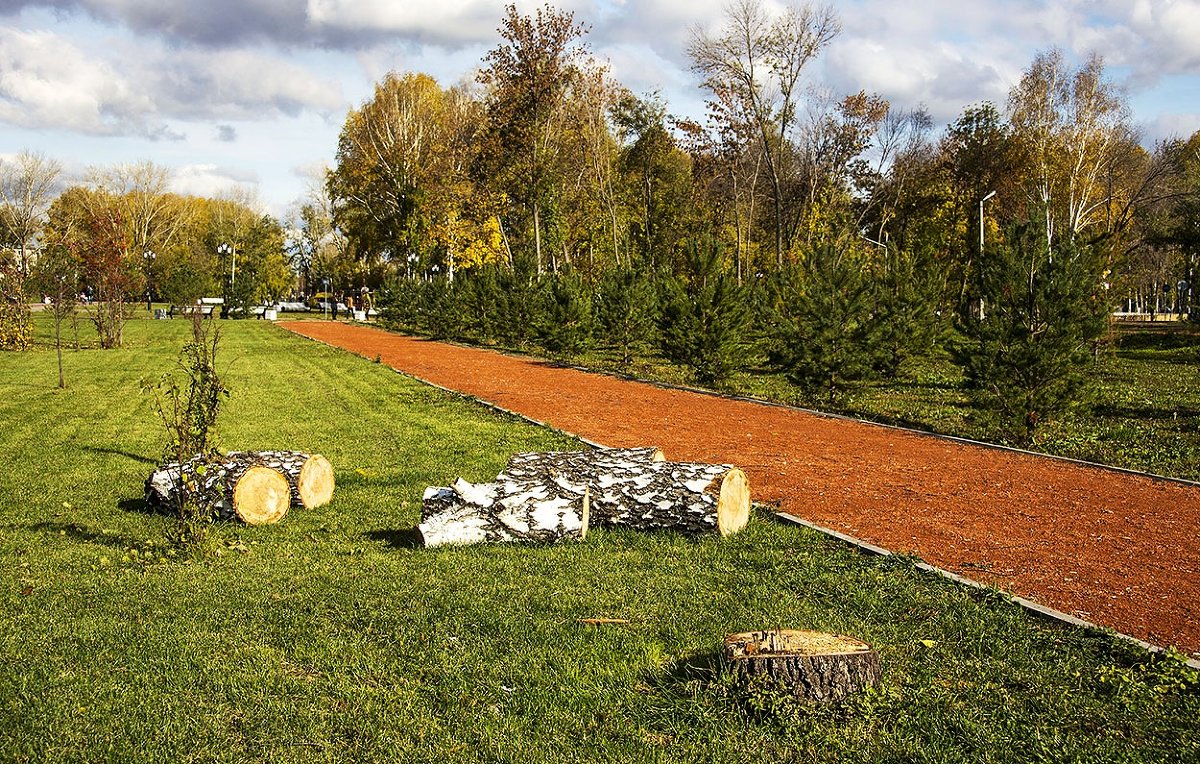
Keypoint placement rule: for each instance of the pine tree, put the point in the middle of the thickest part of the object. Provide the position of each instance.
(705, 317)
(906, 312)
(568, 324)
(626, 311)
(828, 334)
(1028, 358)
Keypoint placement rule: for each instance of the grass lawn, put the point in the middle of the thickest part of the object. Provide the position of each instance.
(334, 637)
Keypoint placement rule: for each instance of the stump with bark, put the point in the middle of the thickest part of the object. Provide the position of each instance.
(310, 476)
(506, 510)
(813, 665)
(230, 488)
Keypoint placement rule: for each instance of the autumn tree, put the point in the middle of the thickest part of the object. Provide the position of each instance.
(99, 240)
(980, 156)
(27, 185)
(15, 330)
(388, 151)
(56, 275)
(527, 78)
(757, 62)
(657, 180)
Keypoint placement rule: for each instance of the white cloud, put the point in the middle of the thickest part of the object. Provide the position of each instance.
(212, 181)
(235, 84)
(1170, 126)
(47, 82)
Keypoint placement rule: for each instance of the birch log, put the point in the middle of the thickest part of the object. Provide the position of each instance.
(583, 469)
(230, 488)
(581, 464)
(310, 476)
(506, 510)
(690, 498)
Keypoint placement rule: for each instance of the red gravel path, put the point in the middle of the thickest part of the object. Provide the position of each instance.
(1116, 549)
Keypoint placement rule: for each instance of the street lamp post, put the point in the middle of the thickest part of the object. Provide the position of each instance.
(989, 195)
(327, 297)
(149, 256)
(231, 250)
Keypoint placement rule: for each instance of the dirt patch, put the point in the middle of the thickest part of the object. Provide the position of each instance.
(1117, 549)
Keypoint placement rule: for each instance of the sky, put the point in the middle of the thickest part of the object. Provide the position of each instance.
(248, 96)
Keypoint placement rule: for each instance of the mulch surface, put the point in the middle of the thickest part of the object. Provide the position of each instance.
(1120, 550)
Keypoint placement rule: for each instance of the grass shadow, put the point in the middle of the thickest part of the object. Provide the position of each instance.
(117, 452)
(137, 505)
(1112, 411)
(687, 674)
(408, 538)
(86, 534)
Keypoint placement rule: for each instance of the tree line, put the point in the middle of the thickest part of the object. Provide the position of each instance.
(830, 234)
(120, 236)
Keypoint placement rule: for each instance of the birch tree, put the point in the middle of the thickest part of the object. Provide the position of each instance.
(1074, 123)
(27, 186)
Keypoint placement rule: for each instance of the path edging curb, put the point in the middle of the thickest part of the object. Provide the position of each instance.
(1029, 605)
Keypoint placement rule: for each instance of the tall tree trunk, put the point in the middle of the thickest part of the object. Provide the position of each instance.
(62, 383)
(537, 238)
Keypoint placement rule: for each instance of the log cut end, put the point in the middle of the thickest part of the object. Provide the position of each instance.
(261, 496)
(315, 483)
(733, 502)
(814, 665)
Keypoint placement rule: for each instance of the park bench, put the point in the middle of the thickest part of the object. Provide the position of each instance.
(187, 310)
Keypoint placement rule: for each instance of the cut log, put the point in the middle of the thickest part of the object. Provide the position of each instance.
(310, 476)
(633, 487)
(583, 463)
(690, 498)
(814, 665)
(503, 511)
(231, 488)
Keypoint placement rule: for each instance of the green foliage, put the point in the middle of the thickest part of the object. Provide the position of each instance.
(568, 320)
(56, 275)
(189, 409)
(828, 336)
(1028, 357)
(705, 319)
(626, 311)
(906, 311)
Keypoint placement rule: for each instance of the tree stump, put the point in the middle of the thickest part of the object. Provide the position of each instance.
(231, 488)
(503, 511)
(814, 665)
(310, 476)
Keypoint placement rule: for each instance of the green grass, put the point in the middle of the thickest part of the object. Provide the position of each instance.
(334, 637)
